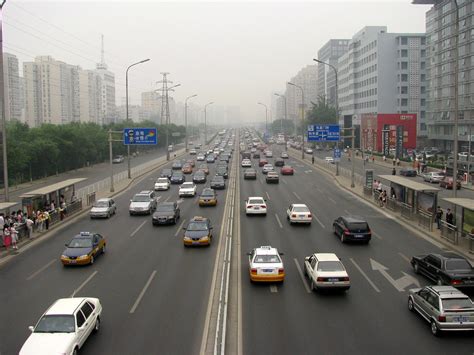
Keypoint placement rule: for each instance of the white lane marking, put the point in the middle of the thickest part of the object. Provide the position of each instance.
(305, 283)
(142, 293)
(308, 171)
(294, 193)
(320, 223)
(405, 258)
(284, 181)
(261, 180)
(278, 220)
(331, 199)
(180, 228)
(138, 228)
(347, 212)
(167, 199)
(376, 235)
(273, 289)
(365, 275)
(401, 283)
(268, 196)
(40, 270)
(84, 283)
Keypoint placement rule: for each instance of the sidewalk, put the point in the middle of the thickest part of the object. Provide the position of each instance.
(462, 247)
(37, 237)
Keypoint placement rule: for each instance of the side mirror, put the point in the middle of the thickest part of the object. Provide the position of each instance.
(249, 254)
(66, 245)
(281, 253)
(31, 328)
(306, 258)
(184, 228)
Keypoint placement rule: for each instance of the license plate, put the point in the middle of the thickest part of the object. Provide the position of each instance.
(359, 236)
(468, 281)
(256, 208)
(267, 270)
(333, 280)
(195, 243)
(461, 319)
(72, 261)
(302, 216)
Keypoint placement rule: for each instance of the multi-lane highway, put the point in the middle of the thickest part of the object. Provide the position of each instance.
(155, 293)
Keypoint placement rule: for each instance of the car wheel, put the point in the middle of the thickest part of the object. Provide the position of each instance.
(411, 307)
(439, 282)
(305, 272)
(416, 268)
(334, 229)
(92, 259)
(97, 325)
(174, 220)
(434, 328)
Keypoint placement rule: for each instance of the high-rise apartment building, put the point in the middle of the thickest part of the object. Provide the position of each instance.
(441, 49)
(330, 53)
(109, 114)
(90, 96)
(12, 89)
(383, 73)
(151, 102)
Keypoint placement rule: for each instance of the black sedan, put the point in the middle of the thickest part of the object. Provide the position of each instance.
(166, 173)
(352, 229)
(445, 269)
(222, 171)
(408, 172)
(199, 177)
(279, 162)
(177, 177)
(166, 213)
(218, 183)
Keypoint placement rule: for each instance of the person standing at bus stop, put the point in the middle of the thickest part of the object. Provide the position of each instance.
(439, 217)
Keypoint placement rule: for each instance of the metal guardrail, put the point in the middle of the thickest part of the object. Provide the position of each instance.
(406, 210)
(367, 191)
(91, 198)
(449, 232)
(470, 237)
(393, 205)
(425, 220)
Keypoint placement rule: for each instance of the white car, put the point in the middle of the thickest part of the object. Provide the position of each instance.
(103, 208)
(142, 203)
(255, 205)
(64, 327)
(187, 189)
(329, 160)
(192, 152)
(325, 271)
(246, 163)
(200, 157)
(265, 265)
(162, 184)
(433, 176)
(284, 155)
(269, 154)
(308, 150)
(299, 213)
(267, 168)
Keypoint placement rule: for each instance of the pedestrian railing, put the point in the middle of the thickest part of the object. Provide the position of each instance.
(377, 197)
(367, 191)
(449, 232)
(406, 210)
(392, 204)
(425, 220)
(470, 237)
(90, 198)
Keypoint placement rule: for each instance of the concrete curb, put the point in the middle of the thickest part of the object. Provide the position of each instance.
(7, 256)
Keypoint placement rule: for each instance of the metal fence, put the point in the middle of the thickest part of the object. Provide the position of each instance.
(449, 232)
(406, 210)
(425, 220)
(470, 237)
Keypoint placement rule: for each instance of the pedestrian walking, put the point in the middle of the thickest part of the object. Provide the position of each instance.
(398, 162)
(46, 219)
(439, 217)
(39, 221)
(384, 158)
(394, 171)
(393, 161)
(312, 160)
(7, 239)
(14, 235)
(449, 216)
(383, 198)
(29, 226)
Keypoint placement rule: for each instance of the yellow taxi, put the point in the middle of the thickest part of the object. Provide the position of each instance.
(208, 197)
(198, 232)
(265, 265)
(83, 249)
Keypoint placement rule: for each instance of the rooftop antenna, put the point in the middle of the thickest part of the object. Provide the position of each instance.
(102, 64)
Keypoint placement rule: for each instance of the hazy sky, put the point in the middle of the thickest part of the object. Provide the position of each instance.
(232, 53)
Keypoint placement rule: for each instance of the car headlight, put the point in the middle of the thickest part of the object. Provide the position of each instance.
(83, 256)
(64, 257)
(186, 238)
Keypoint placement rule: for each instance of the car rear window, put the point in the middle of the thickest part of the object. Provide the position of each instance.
(362, 226)
(300, 209)
(458, 264)
(256, 201)
(267, 259)
(457, 303)
(332, 265)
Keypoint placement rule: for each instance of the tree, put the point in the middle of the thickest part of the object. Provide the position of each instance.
(321, 112)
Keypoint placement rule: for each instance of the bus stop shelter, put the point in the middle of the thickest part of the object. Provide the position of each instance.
(41, 199)
(466, 229)
(7, 207)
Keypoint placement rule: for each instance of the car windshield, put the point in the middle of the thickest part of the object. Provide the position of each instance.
(457, 303)
(56, 324)
(165, 208)
(256, 201)
(267, 259)
(177, 175)
(80, 243)
(458, 264)
(162, 181)
(197, 226)
(250, 171)
(332, 265)
(300, 209)
(141, 198)
(101, 204)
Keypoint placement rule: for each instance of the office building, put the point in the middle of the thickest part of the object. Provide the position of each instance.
(12, 88)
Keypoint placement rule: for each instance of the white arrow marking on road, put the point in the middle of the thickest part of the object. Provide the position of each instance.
(268, 196)
(273, 289)
(284, 181)
(401, 283)
(308, 171)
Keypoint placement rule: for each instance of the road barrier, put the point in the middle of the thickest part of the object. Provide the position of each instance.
(449, 232)
(425, 220)
(406, 210)
(470, 237)
(90, 198)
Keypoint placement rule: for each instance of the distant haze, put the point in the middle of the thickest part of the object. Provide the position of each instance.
(232, 53)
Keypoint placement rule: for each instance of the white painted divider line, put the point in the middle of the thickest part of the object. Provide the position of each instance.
(365, 275)
(320, 223)
(376, 235)
(294, 193)
(347, 212)
(180, 227)
(140, 296)
(284, 181)
(332, 200)
(261, 181)
(167, 199)
(273, 289)
(268, 196)
(278, 220)
(405, 258)
(138, 228)
(305, 283)
(33, 275)
(84, 283)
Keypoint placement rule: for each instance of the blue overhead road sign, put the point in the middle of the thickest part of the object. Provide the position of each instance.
(323, 133)
(139, 136)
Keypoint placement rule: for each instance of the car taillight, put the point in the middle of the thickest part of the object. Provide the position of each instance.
(441, 318)
(281, 271)
(344, 279)
(346, 231)
(263, 206)
(309, 215)
(456, 282)
(293, 215)
(253, 270)
(320, 279)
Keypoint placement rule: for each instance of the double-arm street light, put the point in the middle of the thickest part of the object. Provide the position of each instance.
(302, 118)
(168, 123)
(205, 121)
(266, 116)
(186, 121)
(126, 106)
(336, 101)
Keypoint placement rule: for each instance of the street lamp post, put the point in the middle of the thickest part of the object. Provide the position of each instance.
(168, 125)
(266, 116)
(186, 121)
(456, 99)
(336, 101)
(3, 121)
(126, 108)
(205, 121)
(302, 118)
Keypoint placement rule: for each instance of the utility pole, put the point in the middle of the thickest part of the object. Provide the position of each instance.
(2, 102)
(111, 163)
(456, 99)
(205, 121)
(186, 121)
(266, 116)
